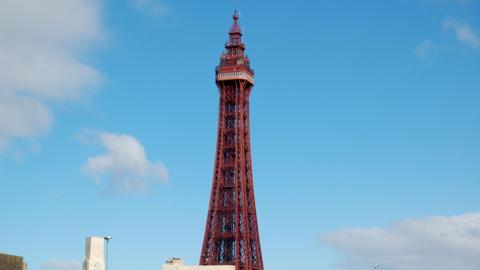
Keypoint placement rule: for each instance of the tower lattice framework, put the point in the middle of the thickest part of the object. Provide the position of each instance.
(231, 234)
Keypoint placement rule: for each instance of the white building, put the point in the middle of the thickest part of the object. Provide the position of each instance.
(94, 254)
(178, 264)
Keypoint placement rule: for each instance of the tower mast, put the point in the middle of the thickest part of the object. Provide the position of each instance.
(231, 233)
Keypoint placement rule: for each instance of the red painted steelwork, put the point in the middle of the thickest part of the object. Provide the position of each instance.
(231, 234)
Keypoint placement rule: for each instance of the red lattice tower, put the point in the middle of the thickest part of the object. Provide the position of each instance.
(231, 234)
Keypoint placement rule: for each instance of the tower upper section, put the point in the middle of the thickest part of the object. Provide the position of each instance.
(234, 63)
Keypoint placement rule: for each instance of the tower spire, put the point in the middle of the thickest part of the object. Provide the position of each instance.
(235, 45)
(235, 27)
(234, 54)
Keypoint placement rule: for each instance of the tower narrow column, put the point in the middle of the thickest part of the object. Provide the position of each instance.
(231, 234)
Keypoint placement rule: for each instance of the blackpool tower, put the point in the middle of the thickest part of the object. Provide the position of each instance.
(231, 234)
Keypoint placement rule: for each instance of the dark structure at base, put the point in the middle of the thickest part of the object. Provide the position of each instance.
(10, 262)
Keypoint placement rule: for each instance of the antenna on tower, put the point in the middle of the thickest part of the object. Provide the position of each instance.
(235, 4)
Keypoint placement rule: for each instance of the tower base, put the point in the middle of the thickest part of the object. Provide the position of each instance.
(178, 264)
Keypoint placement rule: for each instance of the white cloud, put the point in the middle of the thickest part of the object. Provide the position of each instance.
(440, 243)
(22, 116)
(60, 264)
(41, 48)
(125, 165)
(425, 49)
(464, 32)
(157, 7)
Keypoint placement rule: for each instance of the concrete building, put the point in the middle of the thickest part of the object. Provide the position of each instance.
(94, 254)
(10, 262)
(178, 264)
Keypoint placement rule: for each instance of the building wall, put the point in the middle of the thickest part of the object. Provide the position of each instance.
(9, 262)
(94, 254)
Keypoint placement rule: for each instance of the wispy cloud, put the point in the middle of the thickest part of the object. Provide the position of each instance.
(22, 116)
(124, 165)
(61, 264)
(41, 46)
(440, 243)
(157, 7)
(425, 49)
(463, 32)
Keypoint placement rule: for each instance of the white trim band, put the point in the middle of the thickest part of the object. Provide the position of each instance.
(234, 76)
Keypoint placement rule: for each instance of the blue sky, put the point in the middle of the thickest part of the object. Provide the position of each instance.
(364, 115)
